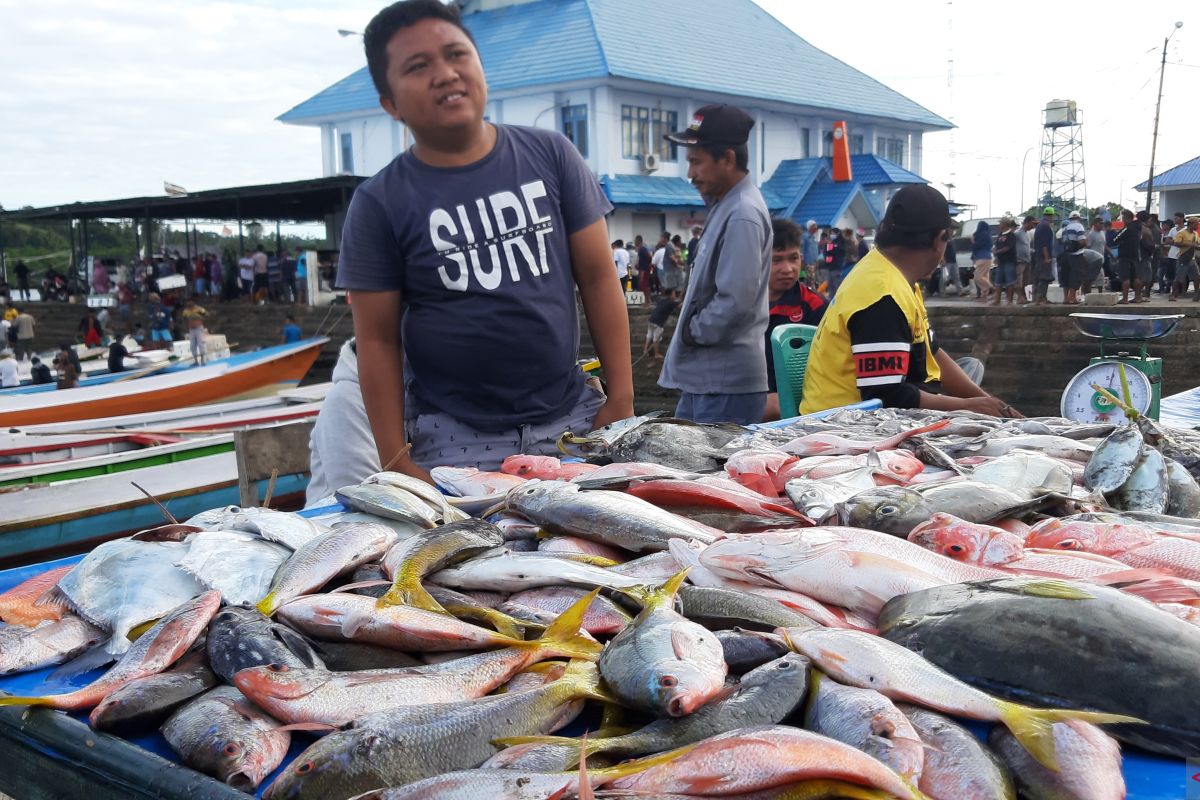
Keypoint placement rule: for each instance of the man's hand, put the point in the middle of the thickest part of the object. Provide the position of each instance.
(407, 466)
(992, 406)
(614, 409)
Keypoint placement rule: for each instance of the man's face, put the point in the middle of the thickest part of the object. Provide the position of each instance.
(785, 268)
(435, 77)
(1179, 221)
(710, 176)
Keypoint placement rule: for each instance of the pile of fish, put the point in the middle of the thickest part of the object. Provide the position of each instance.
(803, 612)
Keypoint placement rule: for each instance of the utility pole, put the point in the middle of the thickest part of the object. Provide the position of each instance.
(1162, 69)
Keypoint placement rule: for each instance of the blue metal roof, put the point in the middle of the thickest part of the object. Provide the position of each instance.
(790, 181)
(729, 47)
(867, 169)
(650, 190)
(1186, 174)
(826, 202)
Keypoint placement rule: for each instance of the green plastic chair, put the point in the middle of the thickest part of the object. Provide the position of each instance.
(790, 345)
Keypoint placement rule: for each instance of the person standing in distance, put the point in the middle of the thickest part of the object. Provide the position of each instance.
(715, 358)
(463, 256)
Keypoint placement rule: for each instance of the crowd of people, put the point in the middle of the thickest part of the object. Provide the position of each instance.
(1138, 255)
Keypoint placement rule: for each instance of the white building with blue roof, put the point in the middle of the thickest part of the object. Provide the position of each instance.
(594, 70)
(1178, 189)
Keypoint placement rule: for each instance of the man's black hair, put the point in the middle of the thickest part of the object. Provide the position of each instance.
(290, 317)
(786, 232)
(618, 243)
(404, 14)
(741, 154)
(889, 236)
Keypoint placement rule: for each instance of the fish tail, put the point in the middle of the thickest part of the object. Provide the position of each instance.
(660, 596)
(830, 789)
(268, 604)
(633, 767)
(503, 623)
(584, 679)
(403, 593)
(563, 638)
(1034, 727)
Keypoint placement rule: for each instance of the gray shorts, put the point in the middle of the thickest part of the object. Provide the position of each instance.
(654, 333)
(1134, 269)
(1187, 271)
(440, 440)
(672, 279)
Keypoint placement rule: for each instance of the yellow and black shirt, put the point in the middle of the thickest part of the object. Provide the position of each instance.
(874, 342)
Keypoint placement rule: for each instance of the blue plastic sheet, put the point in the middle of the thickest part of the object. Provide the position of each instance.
(1147, 777)
(1181, 410)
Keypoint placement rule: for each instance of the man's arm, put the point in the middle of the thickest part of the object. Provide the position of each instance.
(381, 375)
(737, 284)
(954, 381)
(607, 318)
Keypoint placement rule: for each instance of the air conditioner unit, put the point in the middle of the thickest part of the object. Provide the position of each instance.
(651, 162)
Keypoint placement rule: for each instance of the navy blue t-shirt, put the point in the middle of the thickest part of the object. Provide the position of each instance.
(481, 258)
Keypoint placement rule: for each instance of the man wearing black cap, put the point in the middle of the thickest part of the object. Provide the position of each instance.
(875, 341)
(715, 360)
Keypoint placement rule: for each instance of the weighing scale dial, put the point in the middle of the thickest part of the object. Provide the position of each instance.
(1082, 403)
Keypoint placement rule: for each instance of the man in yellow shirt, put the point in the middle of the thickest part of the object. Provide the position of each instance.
(1187, 267)
(875, 341)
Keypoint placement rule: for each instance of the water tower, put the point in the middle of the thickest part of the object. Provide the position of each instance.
(1061, 176)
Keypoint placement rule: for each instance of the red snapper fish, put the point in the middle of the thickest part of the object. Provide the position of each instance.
(814, 444)
(759, 469)
(547, 468)
(20, 605)
(726, 507)
(1132, 545)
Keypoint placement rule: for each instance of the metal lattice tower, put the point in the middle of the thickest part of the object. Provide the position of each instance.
(1061, 178)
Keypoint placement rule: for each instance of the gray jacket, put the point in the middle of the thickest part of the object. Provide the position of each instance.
(718, 343)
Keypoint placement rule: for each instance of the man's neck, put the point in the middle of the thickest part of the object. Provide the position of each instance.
(458, 148)
(903, 261)
(716, 198)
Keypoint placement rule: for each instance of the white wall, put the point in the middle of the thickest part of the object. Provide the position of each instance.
(1185, 200)
(621, 224)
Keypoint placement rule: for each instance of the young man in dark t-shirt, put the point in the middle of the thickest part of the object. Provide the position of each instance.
(657, 322)
(791, 302)
(463, 256)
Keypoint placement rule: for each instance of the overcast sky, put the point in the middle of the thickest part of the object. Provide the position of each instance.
(109, 98)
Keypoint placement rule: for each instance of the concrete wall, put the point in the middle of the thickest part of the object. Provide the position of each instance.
(1185, 200)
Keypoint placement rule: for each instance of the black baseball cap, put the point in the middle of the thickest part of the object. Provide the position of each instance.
(915, 208)
(715, 124)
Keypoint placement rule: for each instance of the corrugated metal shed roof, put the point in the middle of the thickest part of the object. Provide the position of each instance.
(1186, 174)
(728, 47)
(650, 190)
(869, 170)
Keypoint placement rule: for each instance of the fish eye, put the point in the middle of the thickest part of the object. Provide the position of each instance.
(887, 511)
(1070, 544)
(305, 768)
(956, 548)
(277, 667)
(785, 665)
(232, 749)
(668, 681)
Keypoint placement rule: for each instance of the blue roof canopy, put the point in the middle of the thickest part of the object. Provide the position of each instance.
(1186, 174)
(650, 190)
(729, 47)
(827, 202)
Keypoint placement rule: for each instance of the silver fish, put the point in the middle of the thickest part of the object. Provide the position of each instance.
(1184, 493)
(325, 557)
(238, 565)
(415, 486)
(868, 721)
(818, 499)
(123, 584)
(1113, 460)
(610, 517)
(289, 530)
(49, 644)
(222, 734)
(389, 501)
(517, 572)
(957, 765)
(664, 662)
(1147, 486)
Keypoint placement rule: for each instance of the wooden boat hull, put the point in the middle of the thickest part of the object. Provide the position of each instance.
(41, 521)
(209, 385)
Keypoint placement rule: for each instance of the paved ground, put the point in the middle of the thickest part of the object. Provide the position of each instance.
(1097, 301)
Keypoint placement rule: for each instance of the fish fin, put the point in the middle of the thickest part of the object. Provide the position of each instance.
(315, 727)
(353, 622)
(562, 638)
(1034, 727)
(1054, 589)
(661, 596)
(624, 770)
(350, 587)
(1151, 585)
(503, 623)
(873, 460)
(584, 792)
(48, 700)
(94, 658)
(407, 591)
(268, 604)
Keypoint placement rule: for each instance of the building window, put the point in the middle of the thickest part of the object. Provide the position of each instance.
(347, 143)
(574, 127)
(826, 144)
(891, 149)
(856, 144)
(805, 143)
(642, 130)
